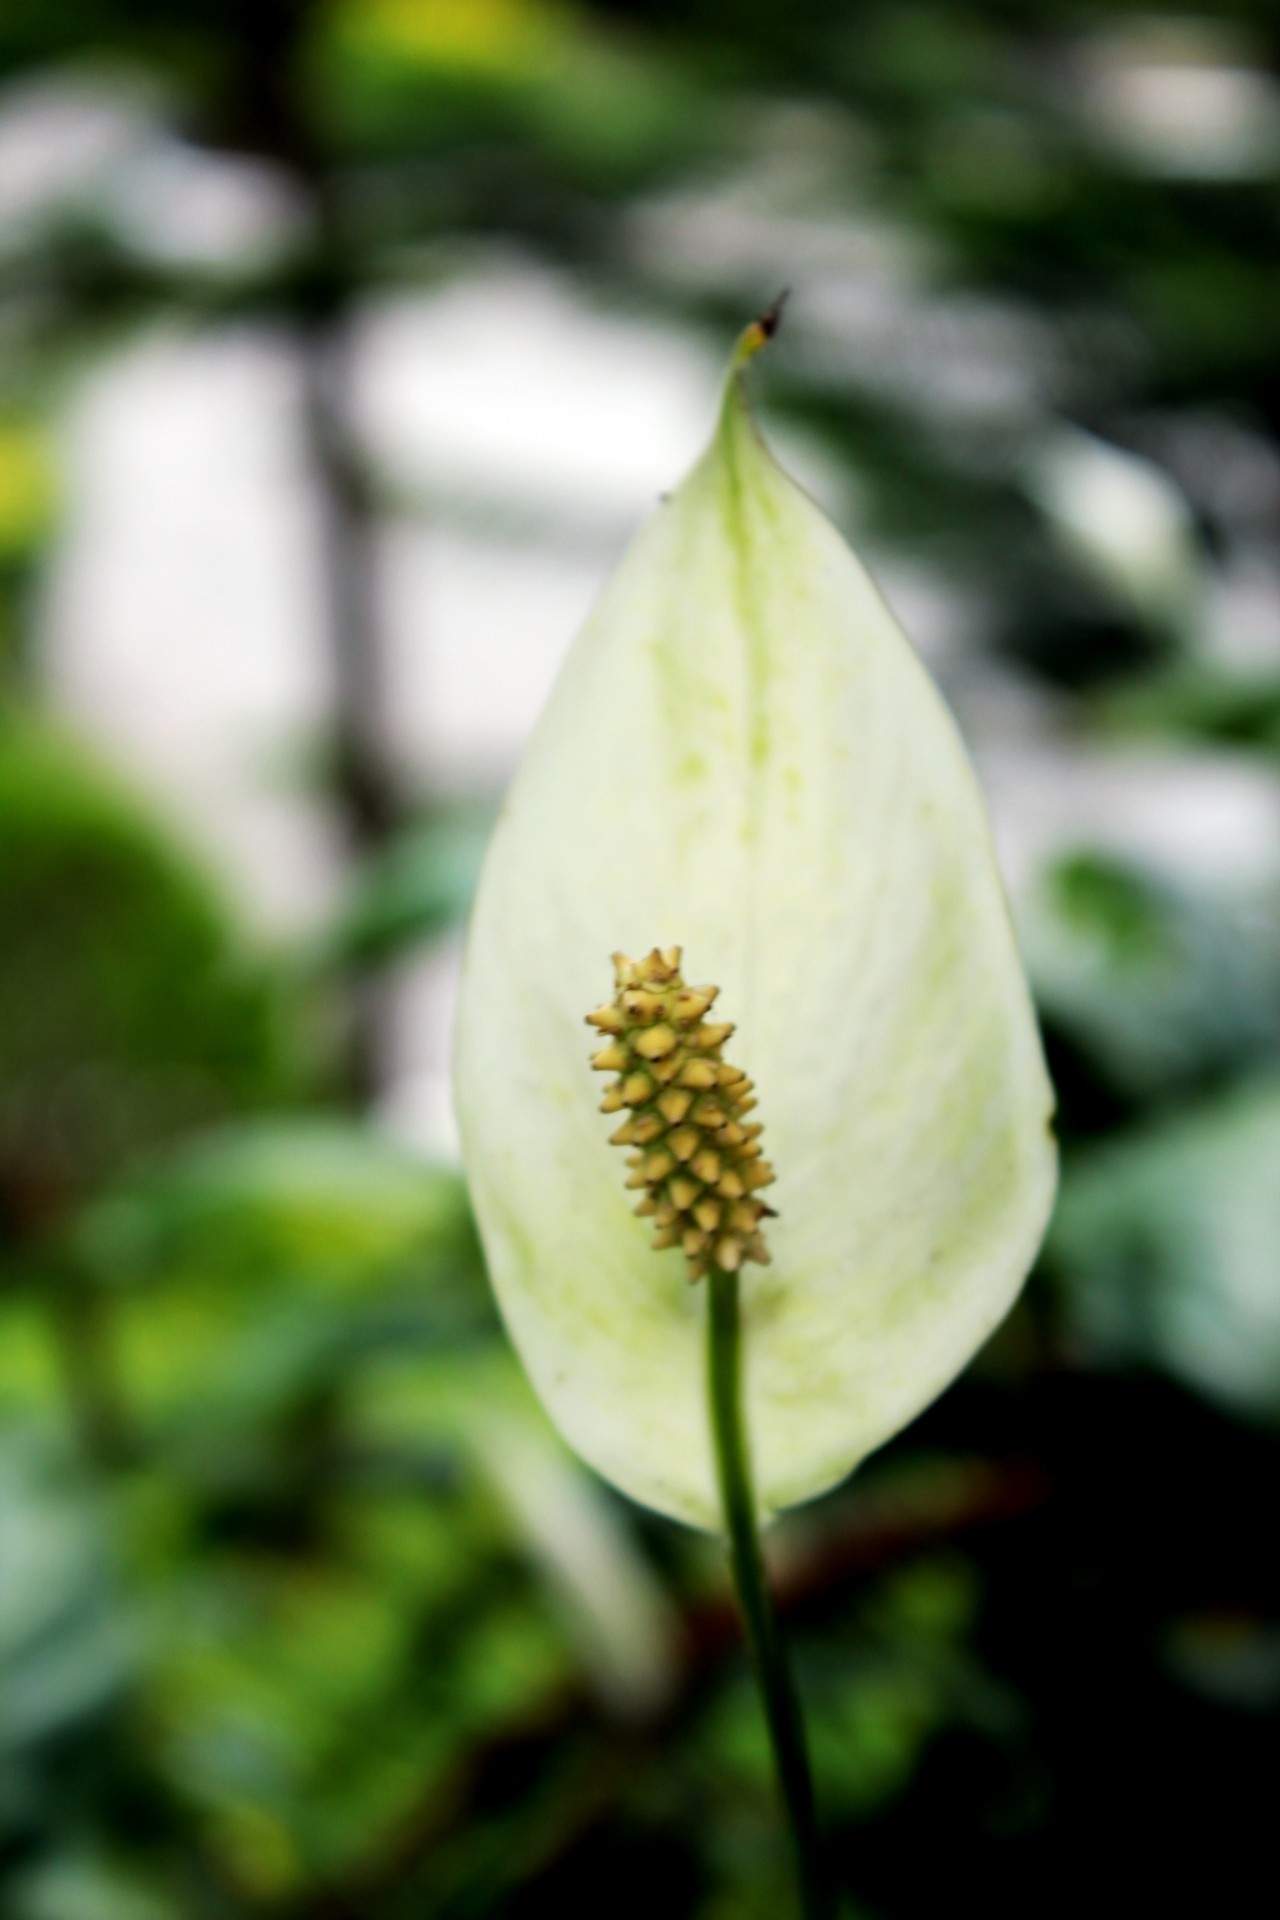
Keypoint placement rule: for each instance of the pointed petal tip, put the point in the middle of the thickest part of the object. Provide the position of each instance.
(759, 333)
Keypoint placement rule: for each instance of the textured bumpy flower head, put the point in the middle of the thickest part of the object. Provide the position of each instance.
(699, 1159)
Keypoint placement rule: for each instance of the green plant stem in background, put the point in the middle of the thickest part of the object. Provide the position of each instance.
(777, 1687)
(81, 1323)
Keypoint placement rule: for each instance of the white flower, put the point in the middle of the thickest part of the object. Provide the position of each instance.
(743, 757)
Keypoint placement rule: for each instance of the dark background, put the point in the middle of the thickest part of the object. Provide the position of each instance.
(303, 1613)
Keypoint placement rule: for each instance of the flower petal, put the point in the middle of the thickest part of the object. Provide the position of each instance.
(743, 756)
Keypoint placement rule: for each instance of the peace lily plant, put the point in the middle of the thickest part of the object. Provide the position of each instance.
(827, 1160)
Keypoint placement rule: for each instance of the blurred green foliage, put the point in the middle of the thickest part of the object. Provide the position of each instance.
(132, 1016)
(418, 887)
(303, 1612)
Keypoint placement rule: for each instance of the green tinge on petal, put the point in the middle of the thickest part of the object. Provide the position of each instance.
(744, 757)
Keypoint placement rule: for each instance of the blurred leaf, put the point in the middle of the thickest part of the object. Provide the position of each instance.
(1202, 701)
(311, 1703)
(258, 1270)
(27, 488)
(1169, 1245)
(421, 886)
(1158, 985)
(600, 104)
(1232, 1657)
(495, 39)
(66, 1648)
(1126, 523)
(314, 1196)
(133, 1015)
(78, 1885)
(619, 1621)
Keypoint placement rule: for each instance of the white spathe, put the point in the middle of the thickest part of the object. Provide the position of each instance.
(744, 757)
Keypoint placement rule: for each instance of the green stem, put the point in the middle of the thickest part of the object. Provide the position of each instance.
(777, 1687)
(82, 1330)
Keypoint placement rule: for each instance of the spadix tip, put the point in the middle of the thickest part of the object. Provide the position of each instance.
(702, 1163)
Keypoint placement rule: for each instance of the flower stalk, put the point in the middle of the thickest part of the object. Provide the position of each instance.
(699, 1167)
(779, 1697)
